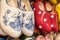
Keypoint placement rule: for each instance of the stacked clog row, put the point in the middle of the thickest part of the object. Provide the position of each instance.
(30, 18)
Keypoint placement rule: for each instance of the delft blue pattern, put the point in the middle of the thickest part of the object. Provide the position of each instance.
(5, 19)
(30, 25)
(16, 24)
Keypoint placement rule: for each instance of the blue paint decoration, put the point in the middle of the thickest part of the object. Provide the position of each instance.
(29, 25)
(15, 24)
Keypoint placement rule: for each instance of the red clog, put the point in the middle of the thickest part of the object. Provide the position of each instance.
(42, 18)
(54, 23)
(53, 16)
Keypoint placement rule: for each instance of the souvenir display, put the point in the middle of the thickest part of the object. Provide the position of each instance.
(29, 19)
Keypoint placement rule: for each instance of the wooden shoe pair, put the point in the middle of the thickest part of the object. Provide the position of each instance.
(45, 17)
(15, 20)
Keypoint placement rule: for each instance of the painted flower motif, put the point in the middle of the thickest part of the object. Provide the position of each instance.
(30, 24)
(16, 24)
(5, 17)
(5, 20)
